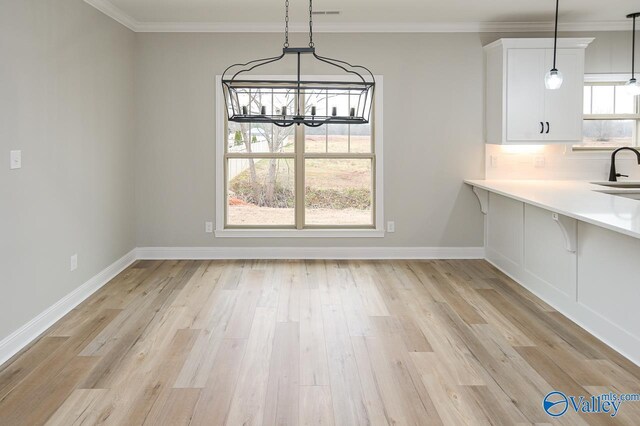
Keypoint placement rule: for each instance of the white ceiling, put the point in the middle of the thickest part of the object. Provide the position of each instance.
(368, 14)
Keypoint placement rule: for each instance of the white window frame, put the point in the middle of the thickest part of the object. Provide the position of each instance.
(377, 231)
(604, 152)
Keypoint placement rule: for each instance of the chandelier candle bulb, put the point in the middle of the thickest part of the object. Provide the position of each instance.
(284, 110)
(263, 110)
(313, 111)
(244, 110)
(334, 111)
(352, 112)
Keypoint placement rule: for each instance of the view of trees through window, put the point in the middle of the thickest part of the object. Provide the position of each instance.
(611, 116)
(274, 172)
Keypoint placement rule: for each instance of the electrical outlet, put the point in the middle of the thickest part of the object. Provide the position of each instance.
(208, 227)
(539, 161)
(493, 161)
(391, 227)
(16, 160)
(73, 264)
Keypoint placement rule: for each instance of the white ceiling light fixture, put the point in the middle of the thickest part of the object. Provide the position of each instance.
(553, 79)
(632, 85)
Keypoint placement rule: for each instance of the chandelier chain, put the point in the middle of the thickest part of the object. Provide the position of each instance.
(286, 24)
(311, 23)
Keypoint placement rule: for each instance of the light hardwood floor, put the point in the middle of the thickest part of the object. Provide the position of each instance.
(310, 343)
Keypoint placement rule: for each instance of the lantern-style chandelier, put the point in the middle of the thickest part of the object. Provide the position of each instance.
(288, 102)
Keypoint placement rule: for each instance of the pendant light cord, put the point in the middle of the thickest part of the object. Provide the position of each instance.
(286, 24)
(633, 50)
(311, 23)
(555, 37)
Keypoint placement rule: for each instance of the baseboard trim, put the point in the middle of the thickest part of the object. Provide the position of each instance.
(19, 339)
(298, 253)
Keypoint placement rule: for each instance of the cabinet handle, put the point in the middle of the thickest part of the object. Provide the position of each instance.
(548, 127)
(541, 127)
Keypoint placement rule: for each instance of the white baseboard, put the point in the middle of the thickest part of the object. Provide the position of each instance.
(13, 343)
(370, 253)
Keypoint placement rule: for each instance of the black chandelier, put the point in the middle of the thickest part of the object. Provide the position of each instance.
(288, 102)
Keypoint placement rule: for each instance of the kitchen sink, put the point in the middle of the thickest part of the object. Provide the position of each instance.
(634, 195)
(630, 185)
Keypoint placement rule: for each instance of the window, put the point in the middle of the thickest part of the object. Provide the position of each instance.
(611, 115)
(298, 180)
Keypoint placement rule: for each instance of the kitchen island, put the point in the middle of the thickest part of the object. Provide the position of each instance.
(574, 244)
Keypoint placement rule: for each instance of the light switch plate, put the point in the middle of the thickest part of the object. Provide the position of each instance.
(539, 161)
(391, 227)
(208, 227)
(73, 264)
(493, 161)
(16, 160)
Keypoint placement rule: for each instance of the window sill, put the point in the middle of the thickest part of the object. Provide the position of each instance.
(296, 233)
(597, 148)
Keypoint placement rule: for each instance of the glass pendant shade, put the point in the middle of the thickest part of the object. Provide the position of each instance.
(633, 87)
(553, 80)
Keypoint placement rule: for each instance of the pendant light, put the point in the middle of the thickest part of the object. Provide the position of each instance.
(632, 85)
(285, 102)
(553, 79)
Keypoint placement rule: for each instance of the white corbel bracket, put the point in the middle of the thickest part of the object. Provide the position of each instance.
(483, 198)
(569, 228)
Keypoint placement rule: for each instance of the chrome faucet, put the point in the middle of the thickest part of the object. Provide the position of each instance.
(613, 174)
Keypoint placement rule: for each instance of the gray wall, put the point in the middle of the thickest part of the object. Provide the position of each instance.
(66, 100)
(433, 129)
(432, 133)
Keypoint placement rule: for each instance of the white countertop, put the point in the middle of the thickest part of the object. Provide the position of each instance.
(577, 199)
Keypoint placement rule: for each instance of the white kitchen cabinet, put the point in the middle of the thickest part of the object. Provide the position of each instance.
(519, 109)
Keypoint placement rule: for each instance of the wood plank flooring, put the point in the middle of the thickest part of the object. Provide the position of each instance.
(311, 343)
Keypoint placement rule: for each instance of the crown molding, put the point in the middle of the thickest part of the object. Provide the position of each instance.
(109, 9)
(379, 27)
(114, 12)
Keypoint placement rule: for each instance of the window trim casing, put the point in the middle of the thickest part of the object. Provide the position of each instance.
(377, 231)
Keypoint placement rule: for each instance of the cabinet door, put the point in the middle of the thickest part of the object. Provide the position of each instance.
(525, 94)
(563, 107)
